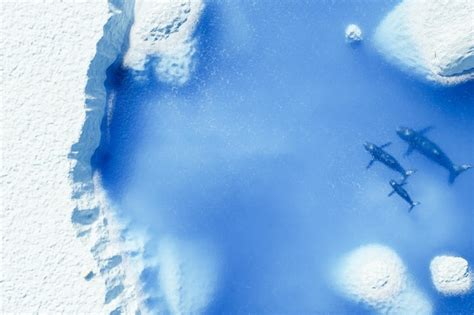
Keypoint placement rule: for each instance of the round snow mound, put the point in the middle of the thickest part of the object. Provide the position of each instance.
(376, 276)
(353, 34)
(451, 275)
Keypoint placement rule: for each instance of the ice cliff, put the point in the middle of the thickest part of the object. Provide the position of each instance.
(433, 39)
(148, 30)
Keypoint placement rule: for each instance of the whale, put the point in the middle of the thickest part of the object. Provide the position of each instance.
(418, 141)
(379, 154)
(398, 188)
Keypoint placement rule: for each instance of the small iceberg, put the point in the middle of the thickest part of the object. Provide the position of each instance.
(433, 39)
(451, 275)
(353, 34)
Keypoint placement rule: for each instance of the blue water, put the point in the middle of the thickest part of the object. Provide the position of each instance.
(260, 154)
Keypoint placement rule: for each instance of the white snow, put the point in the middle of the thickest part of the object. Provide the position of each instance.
(46, 49)
(451, 275)
(377, 277)
(163, 30)
(353, 33)
(433, 39)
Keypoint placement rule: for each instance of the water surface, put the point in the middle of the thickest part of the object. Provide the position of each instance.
(260, 156)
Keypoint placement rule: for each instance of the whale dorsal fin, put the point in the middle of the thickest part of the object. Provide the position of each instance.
(425, 130)
(385, 145)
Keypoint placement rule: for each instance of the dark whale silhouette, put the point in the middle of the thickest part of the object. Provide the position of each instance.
(417, 141)
(378, 154)
(398, 188)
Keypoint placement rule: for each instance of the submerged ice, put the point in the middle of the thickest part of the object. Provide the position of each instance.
(188, 274)
(248, 173)
(376, 276)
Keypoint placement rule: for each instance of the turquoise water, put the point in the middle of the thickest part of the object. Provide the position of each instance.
(260, 155)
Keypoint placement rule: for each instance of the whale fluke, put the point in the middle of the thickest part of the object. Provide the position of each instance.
(408, 173)
(416, 203)
(458, 169)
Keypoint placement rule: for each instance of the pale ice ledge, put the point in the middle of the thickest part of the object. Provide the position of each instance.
(432, 39)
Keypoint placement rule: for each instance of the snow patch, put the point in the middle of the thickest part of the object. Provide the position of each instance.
(433, 39)
(451, 275)
(163, 30)
(377, 277)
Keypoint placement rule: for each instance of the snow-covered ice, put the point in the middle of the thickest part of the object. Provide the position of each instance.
(353, 34)
(433, 39)
(46, 52)
(163, 31)
(376, 276)
(451, 275)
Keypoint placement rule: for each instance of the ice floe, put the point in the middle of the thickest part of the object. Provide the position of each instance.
(451, 275)
(163, 30)
(433, 39)
(377, 277)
